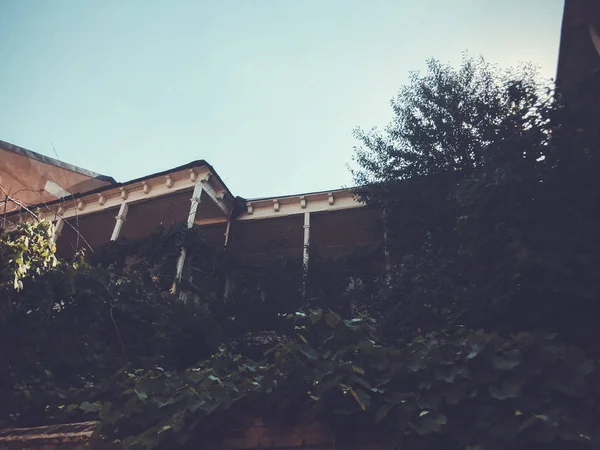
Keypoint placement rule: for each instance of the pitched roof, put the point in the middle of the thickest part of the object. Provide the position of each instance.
(53, 162)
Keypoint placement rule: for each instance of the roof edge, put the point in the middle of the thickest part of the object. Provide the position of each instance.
(280, 197)
(54, 162)
(190, 165)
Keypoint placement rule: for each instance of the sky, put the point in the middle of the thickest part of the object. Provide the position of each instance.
(267, 91)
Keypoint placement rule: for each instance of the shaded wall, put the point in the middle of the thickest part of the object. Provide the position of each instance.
(578, 57)
(25, 178)
(87, 232)
(145, 217)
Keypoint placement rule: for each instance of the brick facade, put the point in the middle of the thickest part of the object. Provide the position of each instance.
(59, 437)
(255, 435)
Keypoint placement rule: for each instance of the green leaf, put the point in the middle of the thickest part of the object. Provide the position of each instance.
(315, 316)
(476, 350)
(332, 319)
(382, 412)
(363, 399)
(358, 369)
(309, 352)
(141, 395)
(508, 361)
(88, 407)
(508, 390)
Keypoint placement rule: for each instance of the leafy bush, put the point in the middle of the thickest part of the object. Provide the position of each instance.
(442, 390)
(81, 321)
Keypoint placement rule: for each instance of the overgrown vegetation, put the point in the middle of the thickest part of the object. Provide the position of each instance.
(490, 183)
(481, 335)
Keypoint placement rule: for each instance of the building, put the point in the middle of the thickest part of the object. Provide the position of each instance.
(31, 178)
(90, 209)
(579, 51)
(252, 230)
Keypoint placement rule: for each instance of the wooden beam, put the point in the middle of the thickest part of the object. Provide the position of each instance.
(196, 198)
(305, 252)
(111, 198)
(211, 193)
(120, 220)
(264, 209)
(227, 234)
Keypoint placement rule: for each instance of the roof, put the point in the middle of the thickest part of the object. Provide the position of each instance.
(53, 162)
(259, 199)
(190, 165)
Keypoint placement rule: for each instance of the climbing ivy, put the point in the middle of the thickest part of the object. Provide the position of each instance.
(27, 252)
(449, 389)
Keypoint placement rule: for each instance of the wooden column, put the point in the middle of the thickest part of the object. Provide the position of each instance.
(227, 286)
(305, 255)
(306, 252)
(120, 221)
(196, 196)
(227, 234)
(60, 223)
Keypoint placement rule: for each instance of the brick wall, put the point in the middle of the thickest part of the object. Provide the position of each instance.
(60, 437)
(254, 435)
(258, 435)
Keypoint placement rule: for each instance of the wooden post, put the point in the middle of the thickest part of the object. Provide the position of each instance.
(60, 223)
(227, 234)
(305, 255)
(306, 252)
(227, 286)
(120, 221)
(195, 200)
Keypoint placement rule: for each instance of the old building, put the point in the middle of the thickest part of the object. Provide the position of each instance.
(253, 230)
(32, 178)
(579, 52)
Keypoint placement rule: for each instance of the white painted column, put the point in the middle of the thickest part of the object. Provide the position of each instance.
(120, 221)
(196, 196)
(227, 286)
(190, 223)
(60, 223)
(305, 255)
(306, 239)
(227, 234)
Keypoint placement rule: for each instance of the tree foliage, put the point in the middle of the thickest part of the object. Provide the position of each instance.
(77, 322)
(26, 253)
(442, 390)
(489, 181)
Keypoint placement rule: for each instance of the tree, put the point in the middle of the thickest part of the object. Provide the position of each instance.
(489, 184)
(446, 121)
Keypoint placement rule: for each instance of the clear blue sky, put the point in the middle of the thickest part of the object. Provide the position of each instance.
(267, 91)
